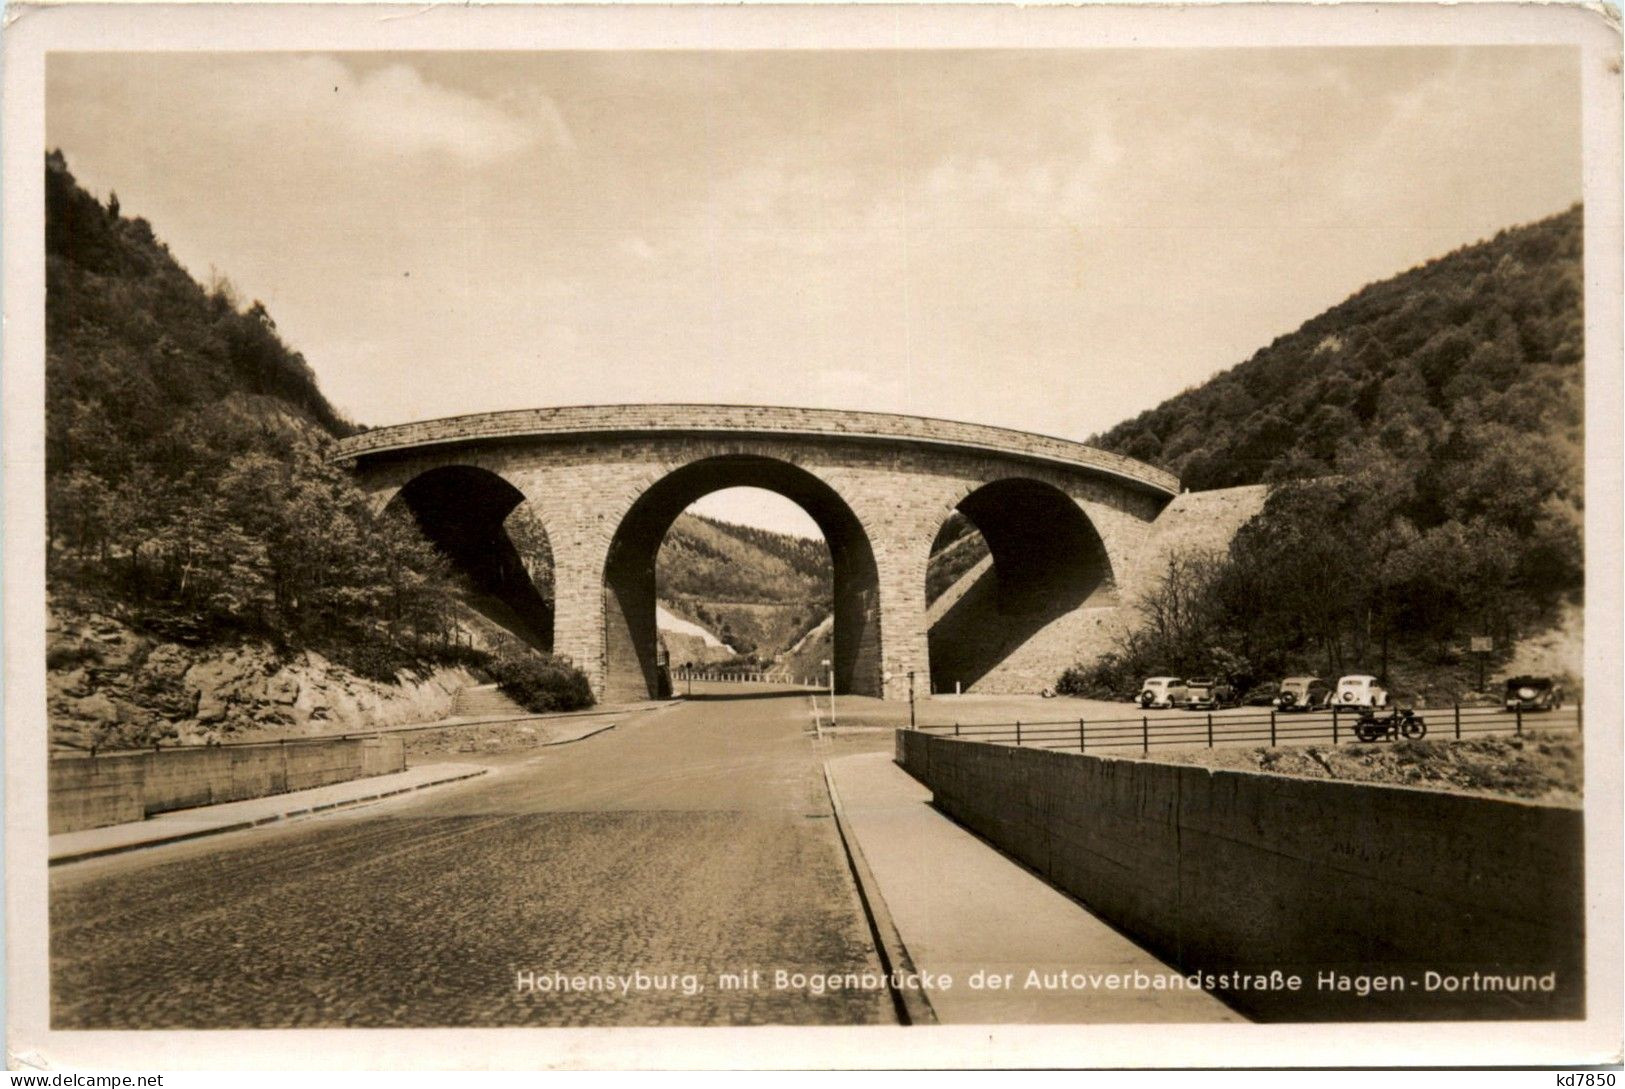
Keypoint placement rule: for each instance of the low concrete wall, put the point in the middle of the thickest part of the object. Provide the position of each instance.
(1342, 884)
(93, 791)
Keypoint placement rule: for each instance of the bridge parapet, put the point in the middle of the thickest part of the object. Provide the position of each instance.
(576, 420)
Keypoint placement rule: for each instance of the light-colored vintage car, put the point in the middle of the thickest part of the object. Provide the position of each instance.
(1162, 692)
(1302, 694)
(1358, 690)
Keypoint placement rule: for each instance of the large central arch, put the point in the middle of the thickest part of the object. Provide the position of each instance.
(630, 641)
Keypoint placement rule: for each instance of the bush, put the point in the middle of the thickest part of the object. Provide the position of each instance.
(385, 661)
(125, 736)
(541, 682)
(458, 654)
(381, 662)
(1107, 679)
(1073, 681)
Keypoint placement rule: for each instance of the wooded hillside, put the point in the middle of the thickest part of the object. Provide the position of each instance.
(186, 489)
(1426, 442)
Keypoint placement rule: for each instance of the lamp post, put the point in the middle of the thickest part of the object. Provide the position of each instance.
(911, 699)
(828, 666)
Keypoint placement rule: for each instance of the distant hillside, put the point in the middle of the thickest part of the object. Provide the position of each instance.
(806, 657)
(958, 548)
(757, 590)
(719, 561)
(1488, 335)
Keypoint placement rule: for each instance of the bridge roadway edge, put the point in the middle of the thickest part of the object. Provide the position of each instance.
(767, 422)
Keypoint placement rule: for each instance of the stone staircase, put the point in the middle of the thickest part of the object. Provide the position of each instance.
(483, 701)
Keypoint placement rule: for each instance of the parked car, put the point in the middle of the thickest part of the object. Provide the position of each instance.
(1303, 694)
(1262, 695)
(1533, 694)
(1358, 690)
(1162, 692)
(1208, 694)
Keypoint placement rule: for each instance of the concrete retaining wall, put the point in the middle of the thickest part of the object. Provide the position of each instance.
(93, 791)
(1336, 882)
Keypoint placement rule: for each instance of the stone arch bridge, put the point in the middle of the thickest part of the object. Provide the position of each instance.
(1063, 523)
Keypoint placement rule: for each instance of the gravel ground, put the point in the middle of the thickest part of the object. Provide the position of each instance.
(426, 746)
(1535, 767)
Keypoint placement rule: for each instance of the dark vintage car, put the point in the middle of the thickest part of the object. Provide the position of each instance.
(1303, 694)
(1262, 695)
(1533, 694)
(1208, 694)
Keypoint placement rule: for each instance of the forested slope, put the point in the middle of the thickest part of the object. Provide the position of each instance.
(1425, 439)
(186, 487)
(1433, 363)
(206, 569)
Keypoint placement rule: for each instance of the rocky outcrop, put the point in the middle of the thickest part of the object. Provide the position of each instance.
(109, 686)
(682, 648)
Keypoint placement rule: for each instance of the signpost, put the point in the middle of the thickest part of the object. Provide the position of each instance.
(1481, 645)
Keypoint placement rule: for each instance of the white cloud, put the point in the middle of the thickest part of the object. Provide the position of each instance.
(545, 113)
(396, 107)
(391, 111)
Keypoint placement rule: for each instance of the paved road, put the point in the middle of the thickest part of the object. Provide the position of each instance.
(687, 842)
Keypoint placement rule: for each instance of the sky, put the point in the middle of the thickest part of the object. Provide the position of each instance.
(1051, 240)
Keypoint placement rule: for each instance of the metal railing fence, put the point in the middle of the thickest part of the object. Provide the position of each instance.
(749, 677)
(63, 749)
(1275, 728)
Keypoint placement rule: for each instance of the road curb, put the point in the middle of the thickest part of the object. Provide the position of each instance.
(492, 720)
(605, 728)
(238, 826)
(912, 1005)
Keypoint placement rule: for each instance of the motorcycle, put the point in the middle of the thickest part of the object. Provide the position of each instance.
(1403, 722)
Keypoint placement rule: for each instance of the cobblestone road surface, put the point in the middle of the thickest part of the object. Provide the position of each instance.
(689, 842)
